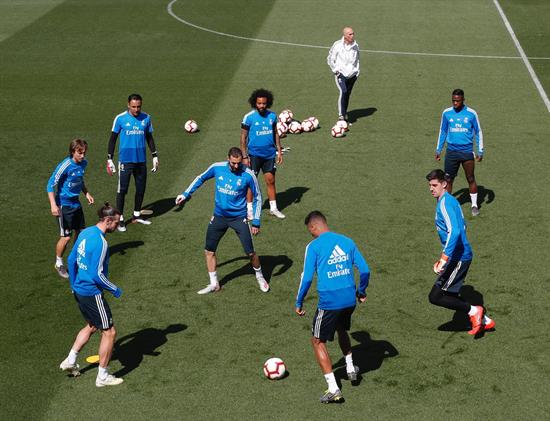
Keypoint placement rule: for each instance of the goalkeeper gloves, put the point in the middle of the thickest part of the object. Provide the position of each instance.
(111, 169)
(439, 266)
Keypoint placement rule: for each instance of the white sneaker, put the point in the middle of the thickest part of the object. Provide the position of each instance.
(121, 226)
(73, 369)
(141, 221)
(62, 271)
(210, 288)
(277, 213)
(264, 286)
(110, 380)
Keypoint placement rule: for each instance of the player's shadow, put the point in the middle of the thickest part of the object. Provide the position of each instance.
(122, 247)
(130, 349)
(271, 266)
(460, 321)
(288, 197)
(162, 206)
(483, 196)
(368, 355)
(355, 115)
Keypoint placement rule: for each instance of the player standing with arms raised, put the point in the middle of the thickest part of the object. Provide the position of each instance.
(68, 176)
(135, 130)
(459, 126)
(88, 269)
(261, 145)
(333, 257)
(456, 256)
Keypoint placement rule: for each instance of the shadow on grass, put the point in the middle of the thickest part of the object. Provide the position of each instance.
(288, 197)
(122, 247)
(269, 263)
(483, 196)
(368, 355)
(355, 115)
(162, 206)
(461, 321)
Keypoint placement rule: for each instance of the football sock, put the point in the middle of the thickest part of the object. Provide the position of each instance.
(473, 198)
(58, 261)
(137, 214)
(473, 311)
(72, 356)
(273, 205)
(213, 278)
(258, 271)
(486, 320)
(350, 368)
(331, 381)
(102, 373)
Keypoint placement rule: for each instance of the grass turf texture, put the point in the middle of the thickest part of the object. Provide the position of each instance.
(67, 69)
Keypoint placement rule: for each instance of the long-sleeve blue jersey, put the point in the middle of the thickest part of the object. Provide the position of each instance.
(333, 256)
(132, 131)
(231, 189)
(261, 133)
(69, 177)
(89, 264)
(459, 128)
(451, 228)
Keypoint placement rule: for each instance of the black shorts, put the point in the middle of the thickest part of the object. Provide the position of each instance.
(95, 310)
(267, 165)
(70, 219)
(125, 172)
(453, 276)
(326, 322)
(453, 159)
(218, 226)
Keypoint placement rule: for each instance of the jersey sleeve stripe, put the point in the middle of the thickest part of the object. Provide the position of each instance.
(100, 274)
(61, 170)
(447, 221)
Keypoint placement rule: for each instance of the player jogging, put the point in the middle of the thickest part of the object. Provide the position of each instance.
(456, 257)
(88, 269)
(333, 257)
(261, 145)
(68, 176)
(233, 180)
(135, 129)
(459, 126)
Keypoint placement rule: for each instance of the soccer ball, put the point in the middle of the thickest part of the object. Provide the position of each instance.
(337, 131)
(274, 368)
(343, 123)
(191, 126)
(315, 122)
(282, 128)
(286, 116)
(308, 126)
(295, 127)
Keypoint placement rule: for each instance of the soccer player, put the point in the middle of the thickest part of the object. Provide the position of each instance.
(233, 180)
(135, 129)
(456, 257)
(88, 267)
(343, 60)
(68, 176)
(261, 145)
(333, 257)
(459, 126)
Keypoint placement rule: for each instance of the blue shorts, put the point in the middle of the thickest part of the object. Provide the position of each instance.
(72, 218)
(267, 165)
(452, 278)
(95, 310)
(326, 322)
(217, 228)
(453, 159)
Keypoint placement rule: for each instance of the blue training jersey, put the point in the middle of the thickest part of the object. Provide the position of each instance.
(68, 176)
(261, 133)
(451, 228)
(89, 264)
(459, 128)
(231, 189)
(132, 132)
(333, 256)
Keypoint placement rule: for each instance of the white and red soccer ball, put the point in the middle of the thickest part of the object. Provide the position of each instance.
(191, 126)
(286, 116)
(308, 125)
(282, 129)
(315, 122)
(274, 368)
(295, 127)
(337, 131)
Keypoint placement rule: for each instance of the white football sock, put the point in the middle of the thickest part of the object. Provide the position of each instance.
(273, 205)
(213, 278)
(486, 319)
(102, 373)
(473, 310)
(350, 368)
(258, 271)
(331, 381)
(72, 356)
(137, 214)
(58, 261)
(473, 198)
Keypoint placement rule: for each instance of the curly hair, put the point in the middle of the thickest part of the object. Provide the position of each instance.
(261, 93)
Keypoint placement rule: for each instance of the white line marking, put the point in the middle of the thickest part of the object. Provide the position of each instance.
(402, 53)
(523, 56)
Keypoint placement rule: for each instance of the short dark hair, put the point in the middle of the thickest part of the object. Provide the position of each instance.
(235, 152)
(107, 211)
(458, 92)
(439, 175)
(77, 144)
(137, 97)
(261, 93)
(313, 216)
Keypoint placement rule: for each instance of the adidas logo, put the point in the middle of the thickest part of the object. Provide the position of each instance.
(337, 256)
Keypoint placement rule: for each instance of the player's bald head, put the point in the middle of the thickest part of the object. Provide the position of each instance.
(347, 30)
(349, 35)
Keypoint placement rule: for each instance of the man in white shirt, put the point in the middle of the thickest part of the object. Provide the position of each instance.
(343, 60)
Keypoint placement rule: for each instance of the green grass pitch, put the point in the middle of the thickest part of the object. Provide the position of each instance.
(66, 70)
